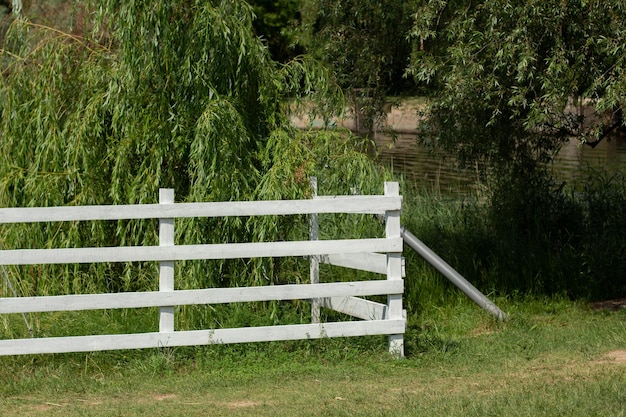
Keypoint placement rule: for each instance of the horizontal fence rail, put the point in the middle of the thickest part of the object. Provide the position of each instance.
(377, 255)
(79, 302)
(202, 337)
(326, 205)
(195, 252)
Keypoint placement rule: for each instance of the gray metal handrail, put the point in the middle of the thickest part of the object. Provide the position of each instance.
(452, 275)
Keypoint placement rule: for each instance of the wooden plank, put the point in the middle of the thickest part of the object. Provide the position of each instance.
(356, 307)
(370, 262)
(394, 270)
(335, 204)
(77, 302)
(199, 337)
(194, 252)
(314, 261)
(166, 268)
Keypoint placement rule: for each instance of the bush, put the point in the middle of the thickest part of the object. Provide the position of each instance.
(531, 237)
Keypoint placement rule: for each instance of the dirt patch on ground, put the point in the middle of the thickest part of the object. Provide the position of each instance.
(243, 404)
(484, 329)
(163, 397)
(616, 356)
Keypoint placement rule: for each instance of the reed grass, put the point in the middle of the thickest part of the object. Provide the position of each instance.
(556, 243)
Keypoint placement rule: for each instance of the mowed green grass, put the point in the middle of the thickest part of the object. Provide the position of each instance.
(552, 358)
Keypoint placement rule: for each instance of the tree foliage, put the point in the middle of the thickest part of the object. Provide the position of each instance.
(364, 43)
(276, 22)
(506, 74)
(155, 94)
(512, 81)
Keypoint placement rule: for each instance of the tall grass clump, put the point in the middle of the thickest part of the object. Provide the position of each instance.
(528, 237)
(551, 239)
(150, 95)
(438, 222)
(602, 242)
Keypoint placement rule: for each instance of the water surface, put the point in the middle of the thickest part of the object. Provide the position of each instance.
(438, 172)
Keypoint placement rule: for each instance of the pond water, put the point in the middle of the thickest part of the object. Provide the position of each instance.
(438, 173)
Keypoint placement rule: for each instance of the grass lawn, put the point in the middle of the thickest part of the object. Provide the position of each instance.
(552, 358)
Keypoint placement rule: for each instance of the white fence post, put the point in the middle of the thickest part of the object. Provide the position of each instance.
(394, 271)
(315, 263)
(166, 268)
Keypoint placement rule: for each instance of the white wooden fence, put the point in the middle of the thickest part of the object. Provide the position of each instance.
(379, 255)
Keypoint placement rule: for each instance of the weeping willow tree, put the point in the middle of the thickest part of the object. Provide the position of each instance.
(154, 94)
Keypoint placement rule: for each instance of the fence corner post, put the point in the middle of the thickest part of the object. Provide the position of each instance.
(394, 271)
(166, 268)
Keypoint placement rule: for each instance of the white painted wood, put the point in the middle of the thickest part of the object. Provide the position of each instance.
(375, 255)
(166, 268)
(356, 307)
(336, 204)
(370, 262)
(192, 252)
(77, 302)
(314, 270)
(394, 270)
(199, 337)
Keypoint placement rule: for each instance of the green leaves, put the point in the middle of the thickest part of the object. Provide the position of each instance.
(505, 71)
(364, 43)
(155, 94)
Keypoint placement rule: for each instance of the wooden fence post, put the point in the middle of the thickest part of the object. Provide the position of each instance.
(315, 259)
(166, 268)
(394, 271)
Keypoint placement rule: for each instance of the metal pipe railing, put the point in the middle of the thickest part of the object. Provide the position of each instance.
(452, 275)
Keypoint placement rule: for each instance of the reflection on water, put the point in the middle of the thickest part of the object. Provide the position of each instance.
(436, 172)
(576, 161)
(425, 168)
